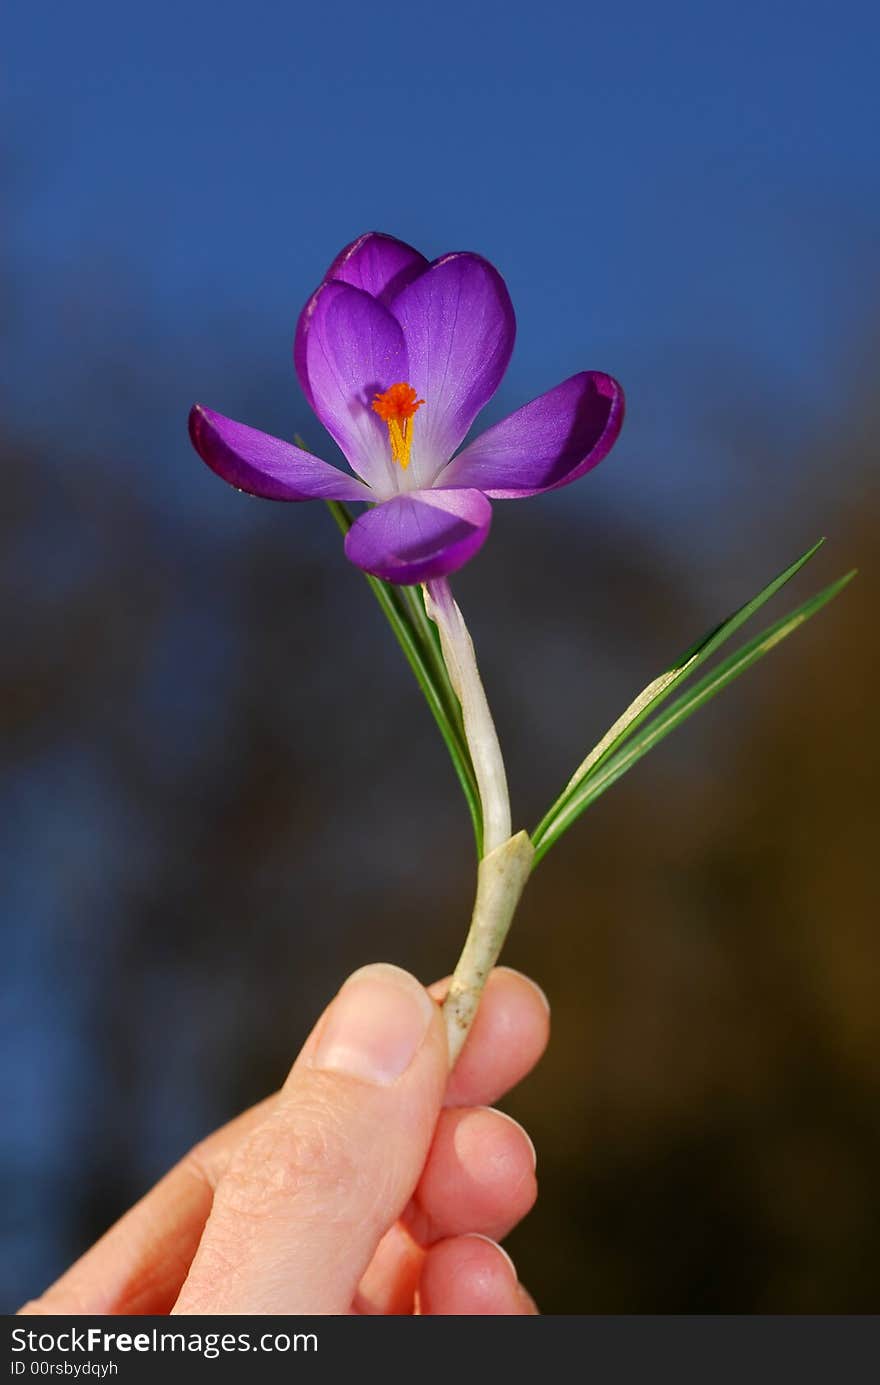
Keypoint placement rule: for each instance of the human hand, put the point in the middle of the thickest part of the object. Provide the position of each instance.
(372, 1183)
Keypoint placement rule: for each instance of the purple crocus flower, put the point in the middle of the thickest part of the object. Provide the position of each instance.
(397, 356)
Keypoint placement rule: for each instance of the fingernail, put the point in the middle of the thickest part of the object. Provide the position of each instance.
(534, 985)
(375, 1025)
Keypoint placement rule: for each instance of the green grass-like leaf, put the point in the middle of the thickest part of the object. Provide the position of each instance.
(605, 773)
(657, 691)
(404, 610)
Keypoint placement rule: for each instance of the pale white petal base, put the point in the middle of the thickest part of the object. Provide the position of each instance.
(479, 728)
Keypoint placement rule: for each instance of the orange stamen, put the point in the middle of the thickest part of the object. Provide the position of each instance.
(397, 406)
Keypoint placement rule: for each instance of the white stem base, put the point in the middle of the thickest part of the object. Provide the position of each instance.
(501, 879)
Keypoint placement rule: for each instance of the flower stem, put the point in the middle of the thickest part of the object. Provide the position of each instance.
(479, 728)
(501, 879)
(423, 658)
(507, 860)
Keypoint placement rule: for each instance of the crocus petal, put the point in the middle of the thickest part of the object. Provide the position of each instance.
(354, 351)
(262, 465)
(420, 534)
(459, 326)
(376, 263)
(545, 444)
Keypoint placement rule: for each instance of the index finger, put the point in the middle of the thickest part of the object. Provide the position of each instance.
(507, 1039)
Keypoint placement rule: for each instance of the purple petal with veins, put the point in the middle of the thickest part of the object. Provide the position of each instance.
(354, 350)
(379, 265)
(459, 327)
(420, 534)
(548, 443)
(262, 465)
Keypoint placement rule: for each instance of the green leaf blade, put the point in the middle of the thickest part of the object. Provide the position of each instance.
(399, 606)
(684, 706)
(650, 698)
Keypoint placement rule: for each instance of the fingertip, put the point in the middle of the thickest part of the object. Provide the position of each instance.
(519, 976)
(480, 1176)
(375, 1027)
(515, 1132)
(509, 1035)
(470, 1276)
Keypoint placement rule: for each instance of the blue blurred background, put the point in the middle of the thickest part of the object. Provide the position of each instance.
(219, 789)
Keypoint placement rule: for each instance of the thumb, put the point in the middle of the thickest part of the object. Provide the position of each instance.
(309, 1194)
